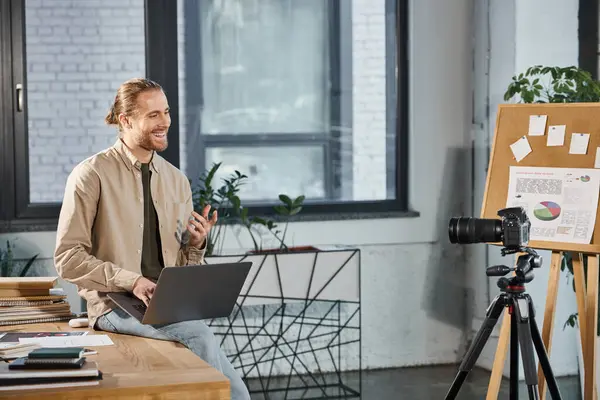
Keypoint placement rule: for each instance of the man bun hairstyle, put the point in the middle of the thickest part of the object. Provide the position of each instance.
(126, 99)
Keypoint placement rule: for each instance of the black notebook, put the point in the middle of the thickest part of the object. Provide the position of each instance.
(46, 363)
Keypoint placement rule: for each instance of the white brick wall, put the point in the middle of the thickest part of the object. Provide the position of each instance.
(78, 53)
(369, 100)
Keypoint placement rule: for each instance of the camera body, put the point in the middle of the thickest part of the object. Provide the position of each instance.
(515, 227)
(512, 229)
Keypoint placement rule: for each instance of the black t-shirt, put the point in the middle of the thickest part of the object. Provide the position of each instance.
(152, 260)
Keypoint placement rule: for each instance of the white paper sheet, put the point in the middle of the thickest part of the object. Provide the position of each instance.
(579, 143)
(556, 135)
(537, 125)
(520, 148)
(597, 161)
(72, 341)
(561, 203)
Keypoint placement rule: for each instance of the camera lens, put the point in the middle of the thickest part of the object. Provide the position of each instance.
(474, 230)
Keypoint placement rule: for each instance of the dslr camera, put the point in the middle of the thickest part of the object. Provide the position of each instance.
(512, 229)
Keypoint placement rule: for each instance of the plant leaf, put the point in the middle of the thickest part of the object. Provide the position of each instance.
(28, 265)
(286, 200)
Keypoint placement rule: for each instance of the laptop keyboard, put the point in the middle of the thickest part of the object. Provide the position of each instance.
(140, 307)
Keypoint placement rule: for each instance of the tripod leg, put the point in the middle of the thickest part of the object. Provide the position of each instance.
(542, 355)
(514, 357)
(493, 312)
(521, 312)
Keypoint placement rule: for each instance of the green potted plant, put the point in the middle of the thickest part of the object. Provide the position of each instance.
(8, 266)
(543, 84)
(226, 200)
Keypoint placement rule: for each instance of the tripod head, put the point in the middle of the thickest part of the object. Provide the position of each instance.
(526, 262)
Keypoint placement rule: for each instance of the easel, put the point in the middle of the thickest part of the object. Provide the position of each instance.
(512, 122)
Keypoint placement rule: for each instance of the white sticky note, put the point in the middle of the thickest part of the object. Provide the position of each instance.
(520, 148)
(556, 135)
(597, 162)
(537, 125)
(579, 143)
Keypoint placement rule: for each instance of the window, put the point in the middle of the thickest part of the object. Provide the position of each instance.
(303, 97)
(318, 118)
(70, 57)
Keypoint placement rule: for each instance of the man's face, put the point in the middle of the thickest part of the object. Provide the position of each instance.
(151, 122)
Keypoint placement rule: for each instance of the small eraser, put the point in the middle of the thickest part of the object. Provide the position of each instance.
(78, 322)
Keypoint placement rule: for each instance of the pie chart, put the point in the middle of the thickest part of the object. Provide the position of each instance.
(546, 211)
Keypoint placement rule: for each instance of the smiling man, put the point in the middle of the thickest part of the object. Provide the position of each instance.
(127, 213)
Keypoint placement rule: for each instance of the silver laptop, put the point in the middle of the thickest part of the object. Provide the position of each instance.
(188, 293)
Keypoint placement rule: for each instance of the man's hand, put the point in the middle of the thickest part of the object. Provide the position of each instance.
(143, 289)
(200, 225)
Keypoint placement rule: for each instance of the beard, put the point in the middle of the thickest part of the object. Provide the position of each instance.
(153, 139)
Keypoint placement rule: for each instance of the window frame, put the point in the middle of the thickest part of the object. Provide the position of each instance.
(328, 141)
(588, 36)
(18, 214)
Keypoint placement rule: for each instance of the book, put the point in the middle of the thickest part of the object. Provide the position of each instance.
(52, 385)
(89, 369)
(46, 363)
(11, 379)
(30, 300)
(15, 350)
(53, 306)
(35, 282)
(19, 292)
(28, 287)
(57, 352)
(36, 320)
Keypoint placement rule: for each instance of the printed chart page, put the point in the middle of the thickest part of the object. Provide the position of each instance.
(561, 203)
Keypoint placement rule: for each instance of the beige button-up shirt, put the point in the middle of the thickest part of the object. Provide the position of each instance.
(100, 228)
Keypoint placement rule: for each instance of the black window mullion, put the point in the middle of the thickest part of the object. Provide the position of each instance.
(162, 62)
(588, 36)
(401, 111)
(194, 94)
(332, 148)
(7, 205)
(266, 139)
(20, 131)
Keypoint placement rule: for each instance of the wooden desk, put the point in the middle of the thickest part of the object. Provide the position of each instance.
(136, 368)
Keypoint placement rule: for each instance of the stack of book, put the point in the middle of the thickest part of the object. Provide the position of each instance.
(32, 300)
(10, 351)
(45, 368)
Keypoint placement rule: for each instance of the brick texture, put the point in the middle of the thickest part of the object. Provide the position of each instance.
(78, 53)
(369, 100)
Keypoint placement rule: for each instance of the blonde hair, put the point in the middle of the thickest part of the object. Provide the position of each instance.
(126, 99)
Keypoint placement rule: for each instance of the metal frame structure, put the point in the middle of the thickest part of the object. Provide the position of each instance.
(272, 344)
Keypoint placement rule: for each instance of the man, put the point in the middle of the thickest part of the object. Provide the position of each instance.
(126, 214)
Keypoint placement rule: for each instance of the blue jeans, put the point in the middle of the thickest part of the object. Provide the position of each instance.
(195, 335)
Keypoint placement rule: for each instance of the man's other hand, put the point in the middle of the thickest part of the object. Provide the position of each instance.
(200, 225)
(144, 289)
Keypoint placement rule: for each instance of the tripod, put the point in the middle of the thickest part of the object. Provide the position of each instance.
(524, 330)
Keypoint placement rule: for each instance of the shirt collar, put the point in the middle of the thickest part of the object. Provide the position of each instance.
(130, 160)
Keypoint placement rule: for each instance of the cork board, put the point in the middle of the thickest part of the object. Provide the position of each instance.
(512, 123)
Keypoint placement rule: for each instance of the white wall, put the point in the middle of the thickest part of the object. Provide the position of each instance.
(520, 33)
(413, 282)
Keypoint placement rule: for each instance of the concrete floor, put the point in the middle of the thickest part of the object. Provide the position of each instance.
(427, 383)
